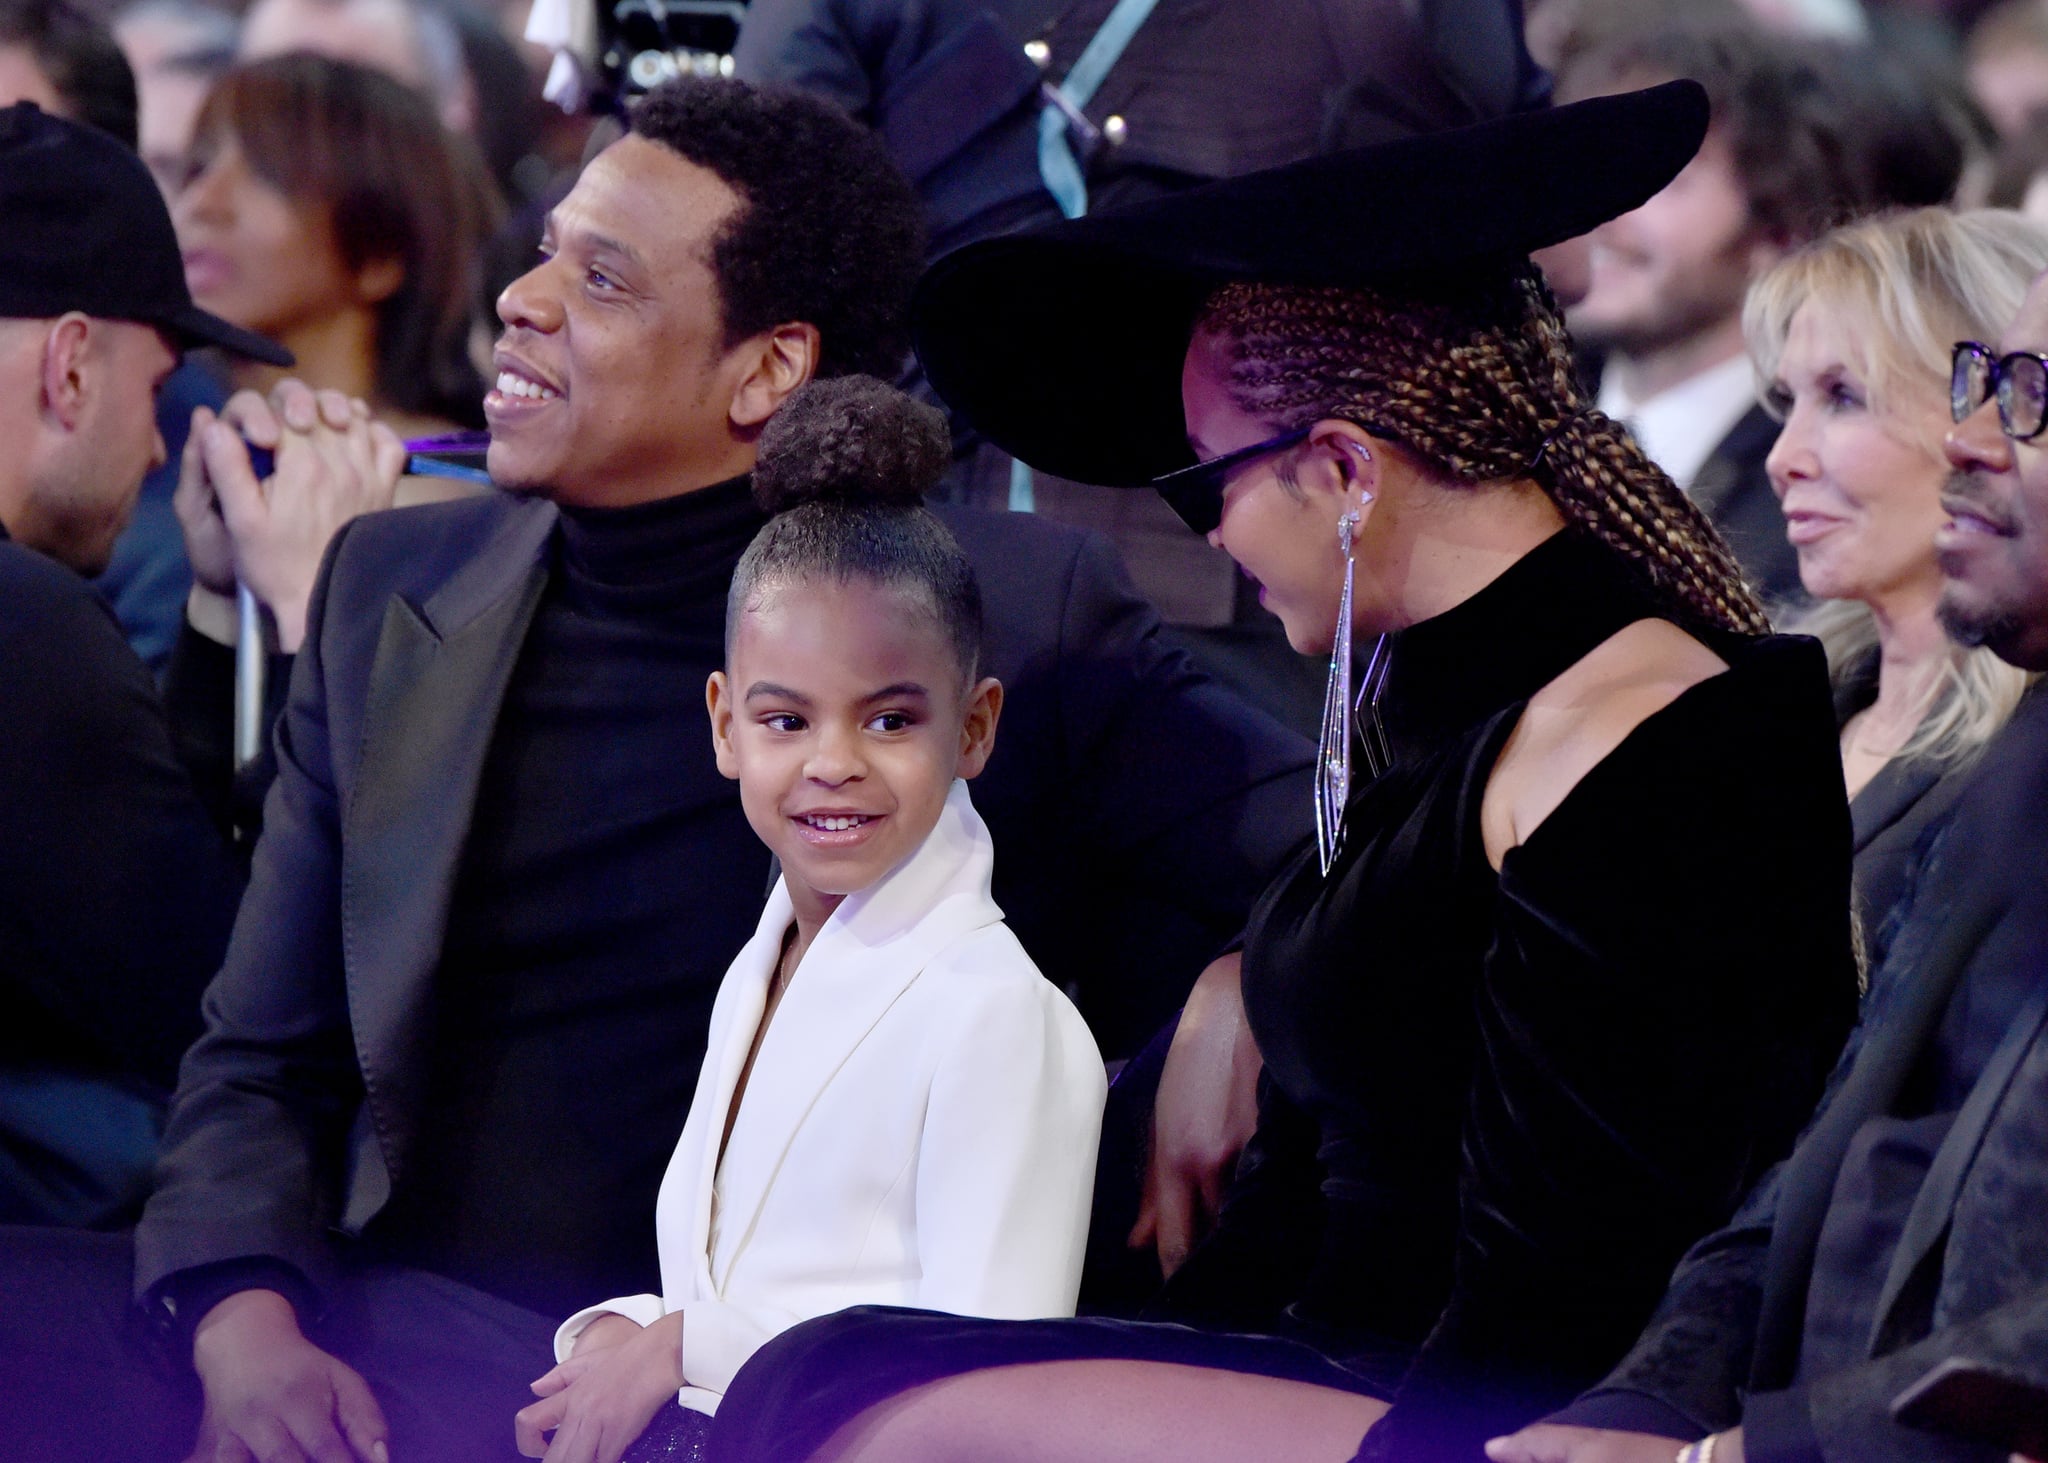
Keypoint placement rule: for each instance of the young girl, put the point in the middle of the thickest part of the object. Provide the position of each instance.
(895, 1107)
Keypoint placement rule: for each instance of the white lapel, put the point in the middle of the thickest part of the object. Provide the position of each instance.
(687, 1187)
(868, 953)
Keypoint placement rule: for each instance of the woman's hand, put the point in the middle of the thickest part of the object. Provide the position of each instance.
(1203, 1115)
(602, 1398)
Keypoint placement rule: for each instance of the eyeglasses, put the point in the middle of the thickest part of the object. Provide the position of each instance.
(1196, 493)
(2019, 381)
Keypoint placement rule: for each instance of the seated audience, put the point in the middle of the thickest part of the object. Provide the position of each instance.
(416, 42)
(326, 207)
(1907, 1226)
(472, 981)
(178, 48)
(1853, 337)
(1486, 999)
(895, 1105)
(68, 64)
(1804, 137)
(115, 892)
(2007, 54)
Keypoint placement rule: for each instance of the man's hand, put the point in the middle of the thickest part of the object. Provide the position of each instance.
(332, 463)
(1548, 1443)
(1204, 1114)
(273, 1395)
(602, 1398)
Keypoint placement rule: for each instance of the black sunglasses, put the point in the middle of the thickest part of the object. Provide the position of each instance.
(1196, 493)
(2018, 381)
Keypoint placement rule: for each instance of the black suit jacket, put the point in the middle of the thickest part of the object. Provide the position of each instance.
(1970, 1273)
(1733, 489)
(1136, 807)
(116, 892)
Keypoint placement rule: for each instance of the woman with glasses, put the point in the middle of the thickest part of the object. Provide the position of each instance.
(1851, 337)
(1565, 968)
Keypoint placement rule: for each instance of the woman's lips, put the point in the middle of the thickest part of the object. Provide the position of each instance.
(1805, 528)
(206, 271)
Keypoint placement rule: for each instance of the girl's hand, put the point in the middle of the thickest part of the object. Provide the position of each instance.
(602, 1398)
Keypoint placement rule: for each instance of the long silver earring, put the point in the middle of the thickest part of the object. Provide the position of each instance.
(1333, 747)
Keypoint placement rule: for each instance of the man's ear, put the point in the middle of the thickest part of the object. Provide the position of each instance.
(781, 360)
(718, 701)
(978, 729)
(70, 372)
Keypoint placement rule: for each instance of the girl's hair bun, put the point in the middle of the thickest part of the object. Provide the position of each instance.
(850, 439)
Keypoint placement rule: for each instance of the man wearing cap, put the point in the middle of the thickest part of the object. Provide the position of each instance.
(116, 889)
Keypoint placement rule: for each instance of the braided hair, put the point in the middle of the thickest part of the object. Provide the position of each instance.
(1476, 381)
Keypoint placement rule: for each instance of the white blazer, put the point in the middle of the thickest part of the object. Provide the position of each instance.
(919, 1128)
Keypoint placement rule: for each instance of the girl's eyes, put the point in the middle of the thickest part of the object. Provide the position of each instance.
(1843, 396)
(884, 721)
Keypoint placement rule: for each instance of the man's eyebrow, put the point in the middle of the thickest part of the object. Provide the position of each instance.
(551, 228)
(778, 693)
(606, 244)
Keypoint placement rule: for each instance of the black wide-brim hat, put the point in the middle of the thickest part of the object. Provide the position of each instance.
(1064, 345)
(87, 230)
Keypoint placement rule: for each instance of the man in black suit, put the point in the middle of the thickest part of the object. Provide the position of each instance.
(500, 878)
(1803, 137)
(1907, 1226)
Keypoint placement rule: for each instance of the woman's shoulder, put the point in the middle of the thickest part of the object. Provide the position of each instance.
(1653, 703)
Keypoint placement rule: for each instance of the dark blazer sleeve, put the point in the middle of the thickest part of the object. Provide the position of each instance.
(1138, 808)
(116, 892)
(255, 1148)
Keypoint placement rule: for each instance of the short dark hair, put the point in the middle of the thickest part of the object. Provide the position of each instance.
(1819, 132)
(82, 61)
(844, 467)
(369, 151)
(830, 233)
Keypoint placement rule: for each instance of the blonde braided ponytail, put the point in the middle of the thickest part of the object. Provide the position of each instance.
(1479, 385)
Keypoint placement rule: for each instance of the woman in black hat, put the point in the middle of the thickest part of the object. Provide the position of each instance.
(1571, 957)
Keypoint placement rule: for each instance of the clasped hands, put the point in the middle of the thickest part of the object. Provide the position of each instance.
(598, 1401)
(332, 463)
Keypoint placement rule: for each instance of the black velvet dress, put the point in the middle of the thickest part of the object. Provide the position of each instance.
(1498, 1105)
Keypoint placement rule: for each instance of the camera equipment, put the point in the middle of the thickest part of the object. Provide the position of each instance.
(643, 43)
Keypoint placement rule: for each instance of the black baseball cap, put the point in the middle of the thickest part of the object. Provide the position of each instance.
(86, 229)
(1064, 345)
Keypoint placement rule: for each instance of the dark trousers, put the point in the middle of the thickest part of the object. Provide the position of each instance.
(449, 1364)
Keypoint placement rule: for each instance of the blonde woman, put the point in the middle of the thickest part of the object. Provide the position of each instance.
(1852, 339)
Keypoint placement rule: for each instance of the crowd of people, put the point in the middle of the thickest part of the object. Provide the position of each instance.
(1273, 731)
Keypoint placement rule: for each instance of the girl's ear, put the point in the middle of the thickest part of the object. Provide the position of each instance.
(978, 728)
(718, 701)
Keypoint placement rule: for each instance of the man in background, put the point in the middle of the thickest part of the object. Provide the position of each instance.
(1804, 136)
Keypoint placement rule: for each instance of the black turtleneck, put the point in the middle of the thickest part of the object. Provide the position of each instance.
(609, 879)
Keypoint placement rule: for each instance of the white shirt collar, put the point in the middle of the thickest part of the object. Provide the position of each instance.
(1680, 427)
